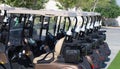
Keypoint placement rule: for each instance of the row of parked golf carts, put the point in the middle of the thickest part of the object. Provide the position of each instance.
(47, 39)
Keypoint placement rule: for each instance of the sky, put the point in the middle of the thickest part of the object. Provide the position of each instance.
(118, 2)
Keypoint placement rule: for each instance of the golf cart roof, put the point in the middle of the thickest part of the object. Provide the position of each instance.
(93, 13)
(96, 13)
(82, 14)
(90, 13)
(51, 13)
(48, 13)
(60, 13)
(65, 13)
(26, 11)
(6, 7)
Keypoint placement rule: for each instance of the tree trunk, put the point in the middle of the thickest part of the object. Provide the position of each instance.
(96, 1)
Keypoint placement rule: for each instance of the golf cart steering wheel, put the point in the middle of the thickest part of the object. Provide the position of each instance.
(49, 56)
(46, 58)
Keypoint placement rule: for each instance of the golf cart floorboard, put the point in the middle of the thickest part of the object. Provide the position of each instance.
(55, 66)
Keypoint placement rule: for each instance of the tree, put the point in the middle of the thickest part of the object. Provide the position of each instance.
(66, 4)
(32, 4)
(87, 5)
(110, 11)
(107, 8)
(82, 4)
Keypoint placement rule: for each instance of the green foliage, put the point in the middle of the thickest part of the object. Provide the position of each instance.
(103, 3)
(32, 4)
(84, 4)
(66, 4)
(107, 8)
(110, 11)
(88, 4)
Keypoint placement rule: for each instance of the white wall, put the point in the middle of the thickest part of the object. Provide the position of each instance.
(118, 20)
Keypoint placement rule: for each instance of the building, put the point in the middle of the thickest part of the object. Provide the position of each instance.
(118, 20)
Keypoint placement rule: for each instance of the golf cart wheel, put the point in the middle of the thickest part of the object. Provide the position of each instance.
(108, 51)
(102, 54)
(106, 48)
(96, 61)
(86, 64)
(81, 66)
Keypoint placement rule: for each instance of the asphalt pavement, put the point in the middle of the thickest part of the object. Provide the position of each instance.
(113, 40)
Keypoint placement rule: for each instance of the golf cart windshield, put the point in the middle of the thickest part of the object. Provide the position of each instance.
(16, 27)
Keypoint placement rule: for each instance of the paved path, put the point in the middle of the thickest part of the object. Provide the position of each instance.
(113, 39)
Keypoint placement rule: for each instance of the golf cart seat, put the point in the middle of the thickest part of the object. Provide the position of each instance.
(53, 64)
(3, 58)
(50, 57)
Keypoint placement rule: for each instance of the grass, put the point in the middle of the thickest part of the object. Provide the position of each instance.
(116, 62)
